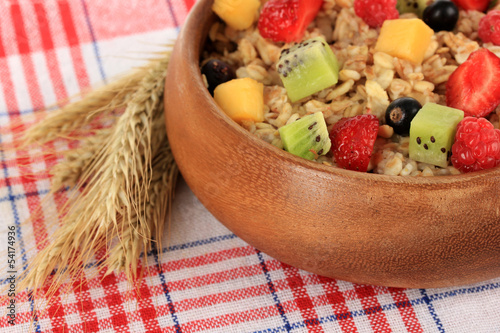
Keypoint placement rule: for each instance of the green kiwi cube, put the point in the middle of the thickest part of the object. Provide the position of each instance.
(432, 133)
(307, 68)
(306, 137)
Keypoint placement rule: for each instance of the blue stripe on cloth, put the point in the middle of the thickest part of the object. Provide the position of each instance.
(166, 292)
(174, 17)
(19, 234)
(23, 196)
(431, 309)
(197, 243)
(464, 291)
(21, 113)
(271, 287)
(25, 112)
(34, 312)
(15, 213)
(94, 40)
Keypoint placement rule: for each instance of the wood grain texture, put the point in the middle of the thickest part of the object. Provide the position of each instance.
(365, 228)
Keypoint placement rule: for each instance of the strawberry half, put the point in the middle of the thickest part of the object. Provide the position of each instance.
(352, 141)
(474, 87)
(287, 20)
(480, 5)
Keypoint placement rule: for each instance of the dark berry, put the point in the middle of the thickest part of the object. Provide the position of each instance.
(441, 15)
(217, 72)
(400, 113)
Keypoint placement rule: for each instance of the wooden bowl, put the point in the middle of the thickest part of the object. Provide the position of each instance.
(365, 228)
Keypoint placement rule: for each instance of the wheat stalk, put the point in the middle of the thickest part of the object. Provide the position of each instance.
(124, 256)
(76, 162)
(124, 176)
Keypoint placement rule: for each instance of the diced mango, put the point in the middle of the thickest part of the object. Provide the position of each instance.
(405, 38)
(241, 99)
(238, 14)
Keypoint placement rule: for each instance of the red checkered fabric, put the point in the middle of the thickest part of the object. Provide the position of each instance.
(210, 280)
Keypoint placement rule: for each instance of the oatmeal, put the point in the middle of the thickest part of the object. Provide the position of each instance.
(369, 78)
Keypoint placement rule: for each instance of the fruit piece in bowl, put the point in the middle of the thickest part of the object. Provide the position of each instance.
(307, 137)
(474, 86)
(432, 133)
(405, 38)
(287, 20)
(241, 99)
(238, 14)
(307, 67)
(353, 140)
(477, 145)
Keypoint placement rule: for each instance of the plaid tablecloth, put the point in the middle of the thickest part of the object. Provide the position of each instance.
(211, 281)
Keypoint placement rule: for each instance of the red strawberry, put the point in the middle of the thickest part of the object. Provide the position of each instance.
(353, 140)
(476, 146)
(489, 27)
(474, 87)
(287, 20)
(375, 12)
(480, 5)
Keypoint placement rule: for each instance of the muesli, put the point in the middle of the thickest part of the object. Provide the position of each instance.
(369, 85)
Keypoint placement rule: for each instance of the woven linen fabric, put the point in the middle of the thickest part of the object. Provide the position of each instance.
(210, 280)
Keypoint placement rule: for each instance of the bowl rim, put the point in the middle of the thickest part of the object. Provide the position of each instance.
(193, 49)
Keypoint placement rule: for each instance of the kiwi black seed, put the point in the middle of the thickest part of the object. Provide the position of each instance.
(412, 6)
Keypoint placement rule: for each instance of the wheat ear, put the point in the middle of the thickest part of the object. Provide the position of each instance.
(124, 256)
(118, 196)
(75, 165)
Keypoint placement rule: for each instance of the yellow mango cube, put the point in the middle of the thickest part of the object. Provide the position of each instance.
(241, 99)
(238, 14)
(405, 38)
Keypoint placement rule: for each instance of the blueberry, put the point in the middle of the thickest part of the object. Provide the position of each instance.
(441, 15)
(217, 72)
(400, 113)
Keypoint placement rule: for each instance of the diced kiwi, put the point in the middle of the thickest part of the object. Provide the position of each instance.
(306, 137)
(412, 6)
(432, 133)
(307, 68)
